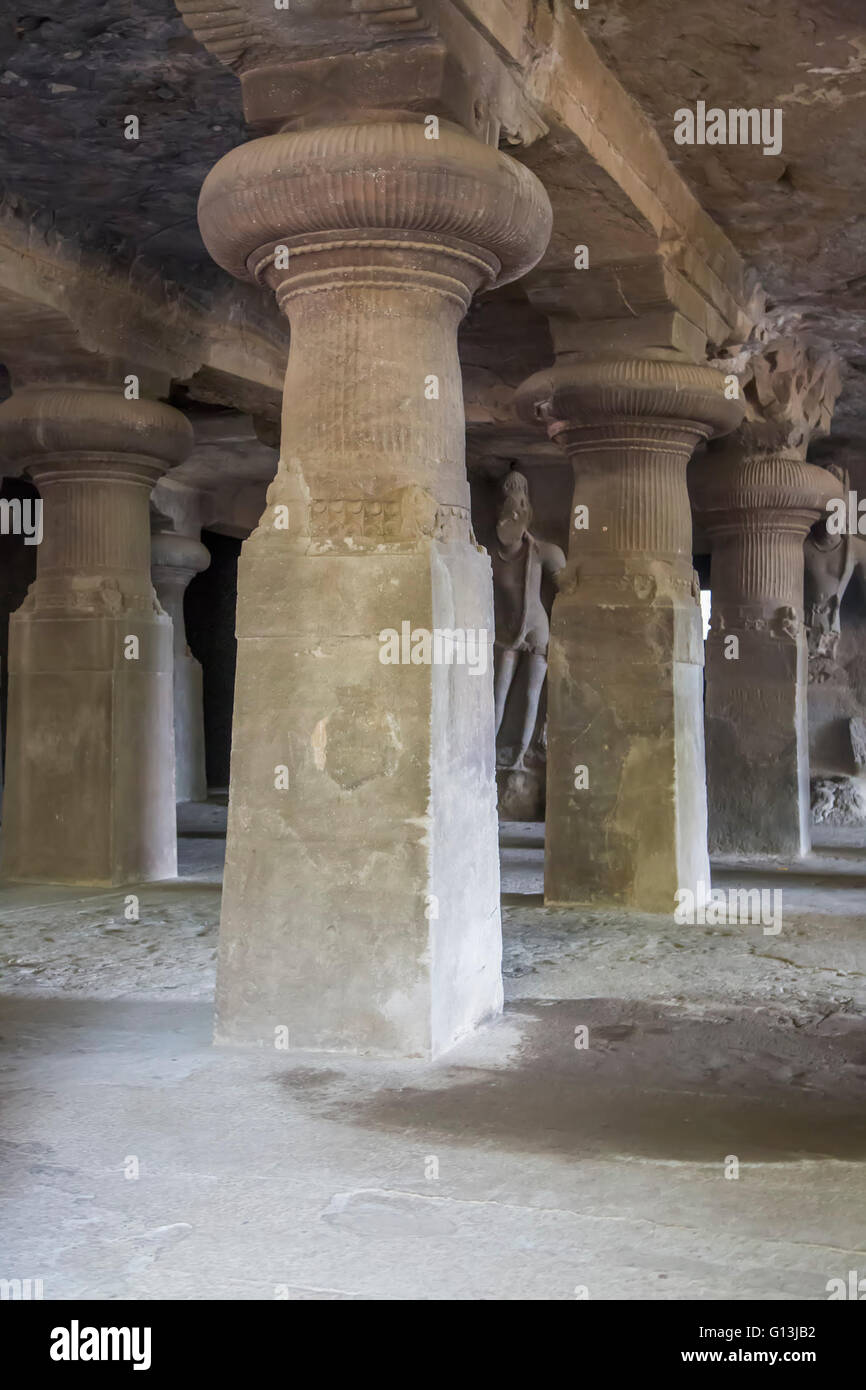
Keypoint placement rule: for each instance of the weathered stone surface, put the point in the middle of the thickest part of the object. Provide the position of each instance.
(89, 794)
(522, 564)
(757, 509)
(361, 908)
(521, 794)
(626, 800)
(838, 801)
(174, 561)
(789, 214)
(76, 71)
(835, 577)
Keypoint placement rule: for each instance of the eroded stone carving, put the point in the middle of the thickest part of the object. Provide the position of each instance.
(406, 515)
(520, 562)
(831, 562)
(790, 389)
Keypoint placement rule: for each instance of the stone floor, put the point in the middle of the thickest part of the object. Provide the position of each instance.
(520, 1166)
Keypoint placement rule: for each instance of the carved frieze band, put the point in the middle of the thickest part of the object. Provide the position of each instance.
(364, 519)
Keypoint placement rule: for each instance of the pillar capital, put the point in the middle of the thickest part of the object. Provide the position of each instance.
(57, 431)
(764, 490)
(374, 239)
(95, 457)
(374, 204)
(175, 559)
(629, 426)
(681, 401)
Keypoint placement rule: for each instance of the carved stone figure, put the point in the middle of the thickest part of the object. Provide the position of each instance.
(520, 562)
(837, 747)
(831, 562)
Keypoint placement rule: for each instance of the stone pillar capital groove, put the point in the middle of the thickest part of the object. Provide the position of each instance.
(584, 394)
(377, 196)
(374, 239)
(95, 457)
(177, 558)
(759, 490)
(629, 426)
(68, 429)
(757, 508)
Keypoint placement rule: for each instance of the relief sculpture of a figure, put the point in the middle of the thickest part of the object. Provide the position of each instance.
(520, 562)
(831, 562)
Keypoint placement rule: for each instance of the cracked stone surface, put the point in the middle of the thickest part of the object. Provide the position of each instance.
(793, 216)
(266, 1174)
(78, 70)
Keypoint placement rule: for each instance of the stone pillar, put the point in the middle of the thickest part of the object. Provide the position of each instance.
(174, 561)
(757, 508)
(626, 798)
(90, 752)
(361, 902)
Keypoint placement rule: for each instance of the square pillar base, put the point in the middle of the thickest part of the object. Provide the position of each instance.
(361, 901)
(625, 688)
(89, 751)
(757, 745)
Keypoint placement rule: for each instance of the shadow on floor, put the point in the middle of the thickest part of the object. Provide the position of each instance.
(651, 1084)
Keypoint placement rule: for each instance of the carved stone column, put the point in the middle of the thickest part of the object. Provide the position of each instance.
(174, 561)
(90, 752)
(756, 498)
(757, 509)
(361, 903)
(626, 799)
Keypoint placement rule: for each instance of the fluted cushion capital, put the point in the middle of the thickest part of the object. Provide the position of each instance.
(378, 177)
(54, 420)
(171, 551)
(731, 481)
(594, 391)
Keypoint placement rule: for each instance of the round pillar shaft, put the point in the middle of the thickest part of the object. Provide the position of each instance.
(175, 560)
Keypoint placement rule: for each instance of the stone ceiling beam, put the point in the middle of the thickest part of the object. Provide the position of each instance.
(611, 183)
(68, 314)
